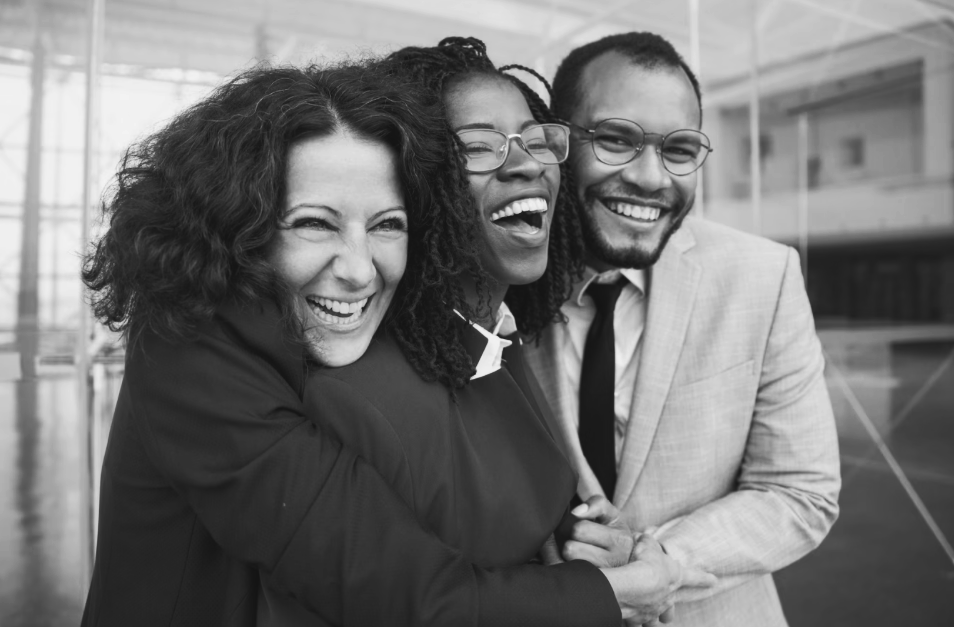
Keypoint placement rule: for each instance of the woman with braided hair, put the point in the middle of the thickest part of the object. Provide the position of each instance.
(474, 459)
(459, 71)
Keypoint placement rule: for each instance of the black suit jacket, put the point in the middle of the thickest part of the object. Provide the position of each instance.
(212, 472)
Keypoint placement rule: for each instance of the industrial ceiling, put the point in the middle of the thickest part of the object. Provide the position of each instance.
(220, 36)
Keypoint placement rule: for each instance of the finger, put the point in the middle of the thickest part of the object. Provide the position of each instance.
(668, 616)
(597, 508)
(647, 542)
(550, 552)
(573, 550)
(647, 548)
(696, 578)
(597, 535)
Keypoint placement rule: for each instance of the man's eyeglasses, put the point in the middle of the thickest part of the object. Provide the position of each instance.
(617, 141)
(486, 150)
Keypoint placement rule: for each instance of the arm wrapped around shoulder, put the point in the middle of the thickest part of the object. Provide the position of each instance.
(275, 491)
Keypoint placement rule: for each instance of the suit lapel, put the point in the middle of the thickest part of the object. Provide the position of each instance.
(515, 364)
(544, 363)
(547, 364)
(674, 280)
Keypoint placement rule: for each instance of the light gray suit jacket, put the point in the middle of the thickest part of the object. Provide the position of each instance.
(730, 451)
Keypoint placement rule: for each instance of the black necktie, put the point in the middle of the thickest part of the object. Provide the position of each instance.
(598, 388)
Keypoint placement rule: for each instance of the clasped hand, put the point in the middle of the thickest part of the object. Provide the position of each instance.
(643, 577)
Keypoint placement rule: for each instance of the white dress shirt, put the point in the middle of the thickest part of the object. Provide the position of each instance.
(629, 318)
(492, 355)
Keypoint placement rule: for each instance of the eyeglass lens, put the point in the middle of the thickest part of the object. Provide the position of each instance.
(619, 141)
(487, 150)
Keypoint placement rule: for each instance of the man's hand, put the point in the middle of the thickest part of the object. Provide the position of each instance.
(645, 588)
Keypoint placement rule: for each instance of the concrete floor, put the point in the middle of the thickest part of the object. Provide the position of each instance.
(881, 565)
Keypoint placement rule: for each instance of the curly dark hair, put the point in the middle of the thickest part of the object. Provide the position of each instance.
(196, 205)
(451, 62)
(647, 50)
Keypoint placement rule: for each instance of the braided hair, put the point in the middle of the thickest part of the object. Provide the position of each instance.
(439, 68)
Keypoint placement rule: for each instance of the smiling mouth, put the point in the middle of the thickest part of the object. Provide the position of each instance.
(640, 213)
(338, 312)
(524, 215)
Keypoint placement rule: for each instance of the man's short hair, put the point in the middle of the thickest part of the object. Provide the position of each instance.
(647, 50)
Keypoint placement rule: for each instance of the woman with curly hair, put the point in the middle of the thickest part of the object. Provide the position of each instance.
(473, 456)
(289, 213)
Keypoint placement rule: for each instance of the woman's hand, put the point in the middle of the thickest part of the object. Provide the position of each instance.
(599, 535)
(643, 577)
(597, 508)
(550, 552)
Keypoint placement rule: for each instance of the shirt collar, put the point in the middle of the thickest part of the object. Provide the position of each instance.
(636, 277)
(506, 323)
(492, 356)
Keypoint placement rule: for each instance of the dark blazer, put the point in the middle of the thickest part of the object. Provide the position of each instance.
(478, 465)
(213, 472)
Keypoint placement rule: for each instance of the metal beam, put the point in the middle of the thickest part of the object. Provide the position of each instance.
(90, 448)
(755, 154)
(28, 463)
(695, 61)
(590, 22)
(803, 156)
(871, 24)
(27, 297)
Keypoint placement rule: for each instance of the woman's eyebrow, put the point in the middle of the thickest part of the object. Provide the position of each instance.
(491, 127)
(388, 210)
(480, 125)
(307, 205)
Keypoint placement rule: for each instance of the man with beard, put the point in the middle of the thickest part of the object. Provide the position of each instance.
(687, 379)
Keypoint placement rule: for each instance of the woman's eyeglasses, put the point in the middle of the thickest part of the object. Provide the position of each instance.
(617, 142)
(486, 149)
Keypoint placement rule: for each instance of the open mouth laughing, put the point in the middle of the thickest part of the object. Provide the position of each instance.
(338, 312)
(524, 215)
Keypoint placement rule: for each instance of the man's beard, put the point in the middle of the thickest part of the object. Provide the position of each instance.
(630, 256)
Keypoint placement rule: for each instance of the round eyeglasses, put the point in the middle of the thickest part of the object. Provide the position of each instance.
(617, 142)
(487, 149)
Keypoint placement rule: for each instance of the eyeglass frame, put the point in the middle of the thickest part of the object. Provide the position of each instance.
(639, 150)
(523, 146)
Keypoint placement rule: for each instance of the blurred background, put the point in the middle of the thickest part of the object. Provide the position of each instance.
(833, 128)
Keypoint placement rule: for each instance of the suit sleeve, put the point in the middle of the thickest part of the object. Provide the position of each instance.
(229, 434)
(786, 499)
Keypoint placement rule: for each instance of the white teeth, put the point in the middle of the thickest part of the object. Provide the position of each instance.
(333, 319)
(526, 205)
(354, 310)
(649, 214)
